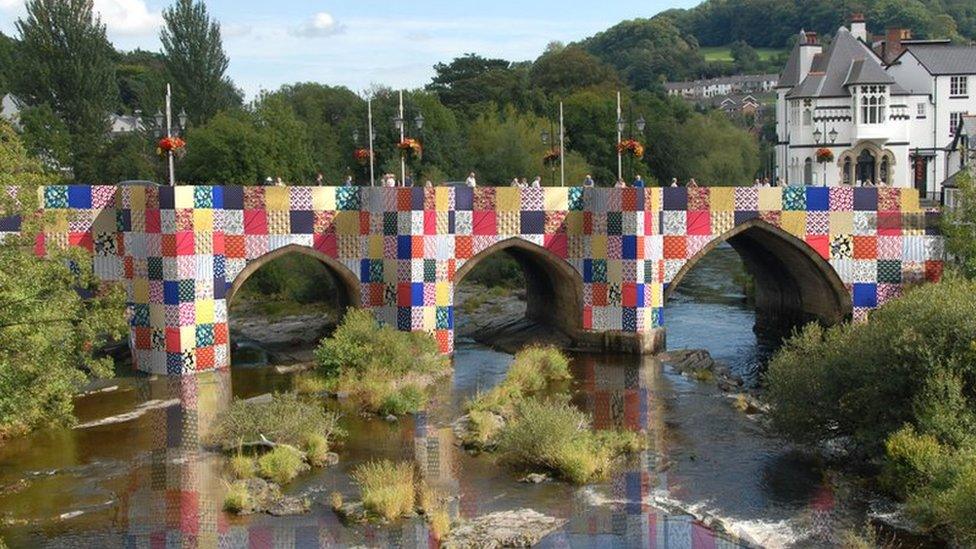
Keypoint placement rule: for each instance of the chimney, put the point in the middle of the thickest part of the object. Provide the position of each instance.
(810, 48)
(893, 43)
(859, 28)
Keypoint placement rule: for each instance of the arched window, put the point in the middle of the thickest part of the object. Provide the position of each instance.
(807, 117)
(846, 174)
(808, 172)
(873, 99)
(883, 176)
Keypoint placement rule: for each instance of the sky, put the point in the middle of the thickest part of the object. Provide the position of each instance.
(360, 43)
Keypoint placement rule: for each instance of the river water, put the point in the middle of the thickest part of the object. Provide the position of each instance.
(147, 481)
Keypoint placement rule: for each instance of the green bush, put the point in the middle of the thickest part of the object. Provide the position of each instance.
(241, 466)
(386, 488)
(237, 498)
(408, 399)
(281, 464)
(532, 369)
(285, 419)
(556, 436)
(316, 447)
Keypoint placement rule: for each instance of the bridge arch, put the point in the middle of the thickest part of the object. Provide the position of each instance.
(347, 283)
(553, 286)
(793, 283)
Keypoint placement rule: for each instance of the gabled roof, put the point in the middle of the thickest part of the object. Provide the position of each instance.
(943, 58)
(848, 61)
(791, 73)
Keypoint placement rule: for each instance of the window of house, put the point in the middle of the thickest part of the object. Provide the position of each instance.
(873, 99)
(954, 119)
(807, 117)
(959, 86)
(920, 110)
(794, 112)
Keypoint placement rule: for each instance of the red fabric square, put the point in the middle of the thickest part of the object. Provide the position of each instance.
(143, 336)
(169, 245)
(218, 243)
(599, 294)
(129, 267)
(462, 247)
(587, 222)
(205, 358)
(443, 340)
(699, 223)
(889, 223)
(376, 292)
(484, 223)
(404, 199)
(327, 244)
(234, 246)
(255, 222)
(185, 243)
(153, 223)
(820, 243)
(430, 222)
(628, 199)
(865, 247)
(364, 222)
(220, 333)
(933, 271)
(172, 340)
(675, 247)
(404, 294)
(417, 247)
(557, 244)
(81, 240)
(629, 294)
(39, 245)
(587, 318)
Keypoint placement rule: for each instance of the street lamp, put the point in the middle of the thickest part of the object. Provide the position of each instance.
(818, 136)
(160, 118)
(398, 123)
(419, 121)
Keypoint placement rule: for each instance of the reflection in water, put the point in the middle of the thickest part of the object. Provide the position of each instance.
(148, 482)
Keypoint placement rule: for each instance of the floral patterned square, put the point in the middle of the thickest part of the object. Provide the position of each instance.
(746, 198)
(842, 246)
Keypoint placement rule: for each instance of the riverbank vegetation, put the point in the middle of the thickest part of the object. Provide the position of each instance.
(531, 430)
(55, 314)
(899, 390)
(381, 369)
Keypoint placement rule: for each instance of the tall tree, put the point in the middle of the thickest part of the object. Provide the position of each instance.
(196, 60)
(66, 62)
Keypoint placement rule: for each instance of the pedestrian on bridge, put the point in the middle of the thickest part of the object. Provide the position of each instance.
(692, 183)
(638, 183)
(588, 181)
(620, 184)
(537, 182)
(471, 181)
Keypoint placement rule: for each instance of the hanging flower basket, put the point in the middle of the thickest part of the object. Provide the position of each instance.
(173, 145)
(551, 157)
(361, 156)
(825, 155)
(631, 146)
(412, 147)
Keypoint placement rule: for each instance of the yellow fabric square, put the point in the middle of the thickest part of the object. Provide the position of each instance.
(655, 200)
(770, 198)
(657, 294)
(183, 197)
(556, 198)
(205, 311)
(137, 198)
(323, 198)
(276, 198)
(722, 199)
(157, 314)
(794, 223)
(442, 198)
(188, 337)
(507, 199)
(598, 247)
(203, 221)
(347, 223)
(615, 271)
(140, 290)
(375, 246)
(909, 200)
(841, 223)
(430, 318)
(574, 223)
(442, 294)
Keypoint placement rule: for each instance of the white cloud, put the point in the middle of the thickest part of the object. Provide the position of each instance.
(128, 17)
(321, 24)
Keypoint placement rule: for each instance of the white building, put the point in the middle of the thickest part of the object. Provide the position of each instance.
(10, 108)
(892, 124)
(726, 85)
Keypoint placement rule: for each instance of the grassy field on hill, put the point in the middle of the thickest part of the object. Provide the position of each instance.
(724, 53)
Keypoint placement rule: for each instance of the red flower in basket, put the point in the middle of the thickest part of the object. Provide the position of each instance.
(361, 156)
(174, 145)
(411, 146)
(551, 157)
(825, 155)
(631, 146)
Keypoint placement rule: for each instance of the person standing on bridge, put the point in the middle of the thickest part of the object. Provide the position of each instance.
(471, 181)
(674, 181)
(319, 179)
(692, 183)
(348, 181)
(279, 182)
(588, 181)
(638, 183)
(537, 182)
(620, 184)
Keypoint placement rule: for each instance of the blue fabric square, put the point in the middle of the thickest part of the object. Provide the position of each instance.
(56, 196)
(417, 198)
(463, 198)
(375, 270)
(794, 198)
(220, 287)
(167, 198)
(639, 203)
(865, 294)
(443, 318)
(202, 197)
(640, 294)
(218, 266)
(302, 221)
(629, 318)
(533, 222)
(79, 196)
(218, 197)
(403, 318)
(205, 335)
(417, 294)
(171, 292)
(634, 495)
(154, 265)
(403, 247)
(9, 224)
(675, 198)
(629, 247)
(450, 222)
(174, 364)
(347, 198)
(743, 216)
(657, 317)
(587, 270)
(233, 198)
(818, 199)
(363, 269)
(123, 220)
(140, 314)
(866, 199)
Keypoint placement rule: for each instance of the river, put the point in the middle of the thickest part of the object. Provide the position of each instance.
(146, 481)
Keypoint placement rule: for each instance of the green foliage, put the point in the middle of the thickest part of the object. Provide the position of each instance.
(471, 81)
(286, 419)
(65, 61)
(407, 399)
(564, 70)
(195, 57)
(48, 331)
(386, 488)
(867, 380)
(45, 135)
(497, 270)
(556, 436)
(532, 369)
(241, 466)
(959, 226)
(281, 464)
(316, 447)
(237, 498)
(127, 156)
(229, 149)
(141, 78)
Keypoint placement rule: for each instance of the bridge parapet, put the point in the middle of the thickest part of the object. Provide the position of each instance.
(178, 251)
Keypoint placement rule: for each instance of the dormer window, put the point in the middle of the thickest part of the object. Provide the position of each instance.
(872, 102)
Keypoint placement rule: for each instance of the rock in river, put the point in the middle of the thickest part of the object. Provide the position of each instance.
(518, 528)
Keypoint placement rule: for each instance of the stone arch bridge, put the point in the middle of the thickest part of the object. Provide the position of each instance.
(599, 263)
